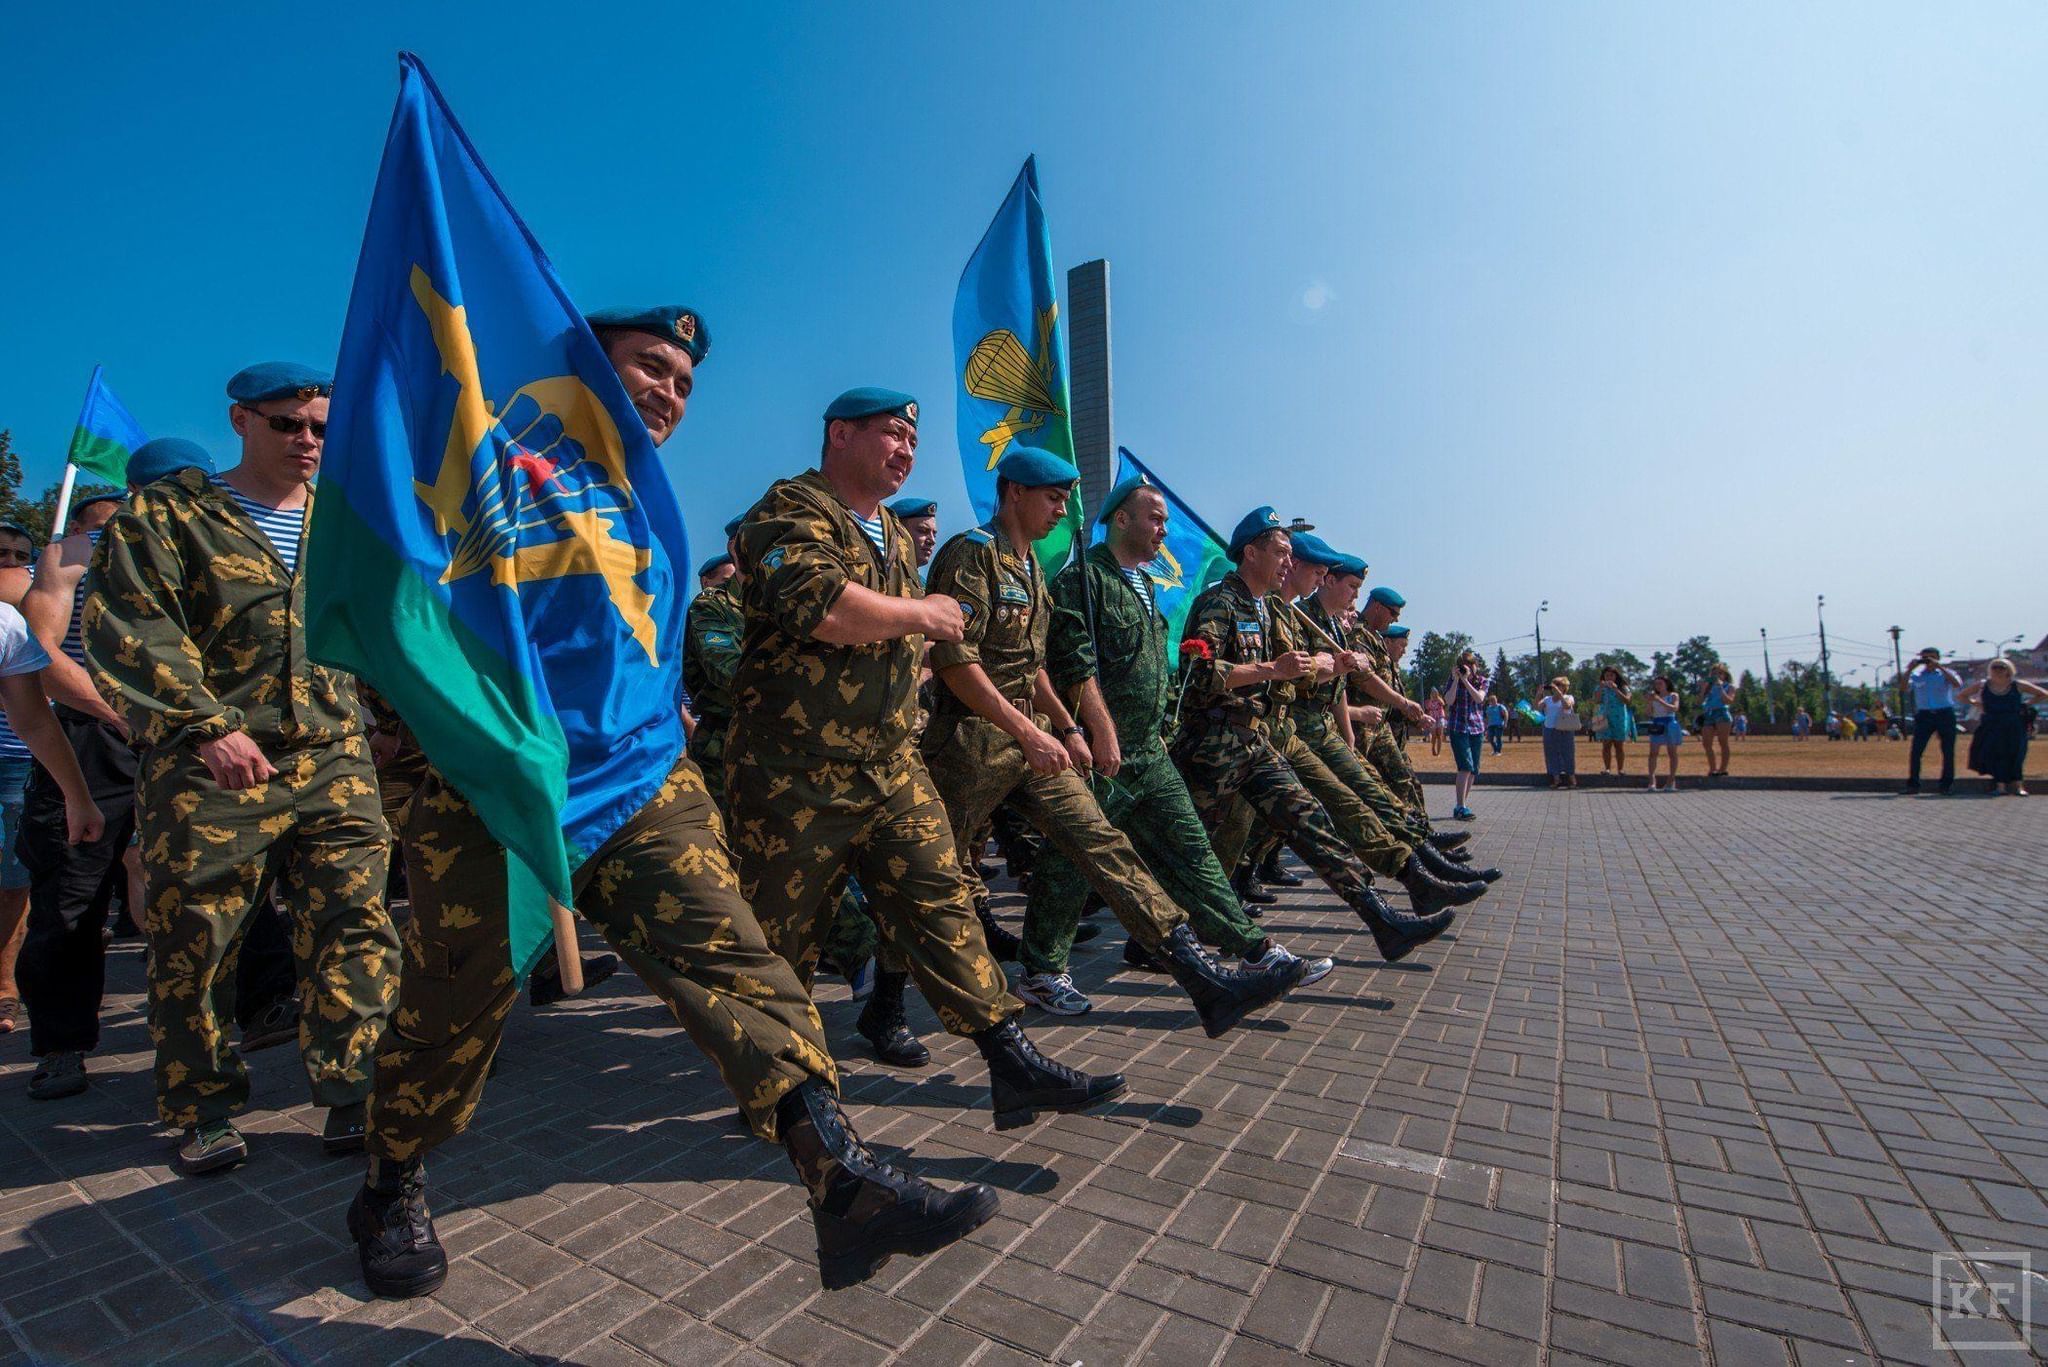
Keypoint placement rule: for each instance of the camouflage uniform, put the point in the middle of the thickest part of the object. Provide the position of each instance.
(1385, 750)
(1381, 851)
(977, 765)
(662, 890)
(1225, 749)
(821, 771)
(1125, 652)
(1317, 727)
(194, 629)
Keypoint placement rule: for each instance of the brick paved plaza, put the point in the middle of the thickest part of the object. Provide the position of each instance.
(1707, 1077)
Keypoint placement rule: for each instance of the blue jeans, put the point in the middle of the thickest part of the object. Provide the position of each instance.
(1493, 736)
(1928, 722)
(1465, 751)
(13, 795)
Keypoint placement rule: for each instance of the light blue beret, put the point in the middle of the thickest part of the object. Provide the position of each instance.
(1255, 524)
(671, 322)
(734, 525)
(279, 380)
(867, 401)
(1386, 597)
(1313, 549)
(1395, 632)
(155, 459)
(713, 563)
(915, 507)
(1349, 564)
(1032, 467)
(1116, 496)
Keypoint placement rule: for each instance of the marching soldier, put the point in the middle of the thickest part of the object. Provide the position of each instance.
(1225, 748)
(253, 766)
(824, 777)
(1001, 731)
(711, 653)
(1108, 651)
(1377, 681)
(663, 891)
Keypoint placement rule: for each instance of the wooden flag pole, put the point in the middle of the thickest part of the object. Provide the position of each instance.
(566, 956)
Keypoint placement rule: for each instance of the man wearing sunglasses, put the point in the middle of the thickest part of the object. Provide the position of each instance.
(254, 768)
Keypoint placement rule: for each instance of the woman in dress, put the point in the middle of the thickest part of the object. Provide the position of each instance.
(1717, 718)
(1665, 732)
(1998, 749)
(1612, 699)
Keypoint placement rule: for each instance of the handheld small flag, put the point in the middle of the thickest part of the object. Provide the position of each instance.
(495, 542)
(1012, 359)
(1192, 558)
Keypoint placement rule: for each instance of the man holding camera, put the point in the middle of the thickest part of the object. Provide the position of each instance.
(1934, 687)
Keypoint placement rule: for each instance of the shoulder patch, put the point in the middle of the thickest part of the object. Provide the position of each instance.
(718, 638)
(773, 559)
(978, 536)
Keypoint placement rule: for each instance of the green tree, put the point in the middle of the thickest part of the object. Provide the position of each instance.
(1694, 657)
(1431, 660)
(1503, 678)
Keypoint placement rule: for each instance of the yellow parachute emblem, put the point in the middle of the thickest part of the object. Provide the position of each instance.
(1000, 370)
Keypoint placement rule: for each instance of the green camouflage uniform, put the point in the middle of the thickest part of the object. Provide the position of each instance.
(194, 629)
(663, 892)
(977, 765)
(1317, 726)
(1225, 748)
(1383, 852)
(1147, 800)
(1385, 750)
(821, 771)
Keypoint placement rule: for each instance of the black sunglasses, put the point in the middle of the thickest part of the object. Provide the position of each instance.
(290, 426)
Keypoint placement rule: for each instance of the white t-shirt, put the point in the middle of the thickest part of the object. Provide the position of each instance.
(1554, 709)
(20, 652)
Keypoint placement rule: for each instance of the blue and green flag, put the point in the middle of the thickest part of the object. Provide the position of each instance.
(1008, 347)
(494, 545)
(1191, 559)
(106, 435)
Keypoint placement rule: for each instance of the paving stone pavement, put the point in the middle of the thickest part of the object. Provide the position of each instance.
(1707, 1077)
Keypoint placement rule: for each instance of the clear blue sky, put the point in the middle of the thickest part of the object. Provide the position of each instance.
(1673, 316)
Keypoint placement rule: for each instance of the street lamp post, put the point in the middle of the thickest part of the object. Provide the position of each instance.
(1536, 683)
(1770, 703)
(1827, 685)
(1899, 672)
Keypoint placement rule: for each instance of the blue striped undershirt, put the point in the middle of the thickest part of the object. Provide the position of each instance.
(876, 532)
(283, 526)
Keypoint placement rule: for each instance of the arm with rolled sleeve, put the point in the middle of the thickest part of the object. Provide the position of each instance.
(965, 571)
(138, 641)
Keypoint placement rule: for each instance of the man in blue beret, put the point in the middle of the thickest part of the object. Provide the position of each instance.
(1002, 731)
(1107, 653)
(664, 892)
(247, 736)
(920, 517)
(715, 571)
(1226, 747)
(1382, 739)
(823, 775)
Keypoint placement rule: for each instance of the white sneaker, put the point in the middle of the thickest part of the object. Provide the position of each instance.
(1317, 969)
(1054, 992)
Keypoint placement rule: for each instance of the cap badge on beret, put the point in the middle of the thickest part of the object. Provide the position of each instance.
(910, 410)
(686, 327)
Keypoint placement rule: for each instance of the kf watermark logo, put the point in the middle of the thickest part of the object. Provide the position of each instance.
(1978, 1298)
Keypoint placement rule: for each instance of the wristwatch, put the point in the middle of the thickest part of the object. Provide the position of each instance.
(1073, 731)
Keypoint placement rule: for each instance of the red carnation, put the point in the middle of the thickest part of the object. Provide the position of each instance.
(1194, 645)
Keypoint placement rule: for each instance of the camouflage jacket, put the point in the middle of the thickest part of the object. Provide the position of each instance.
(1231, 620)
(1319, 696)
(1008, 614)
(193, 627)
(1126, 653)
(711, 653)
(1373, 646)
(799, 548)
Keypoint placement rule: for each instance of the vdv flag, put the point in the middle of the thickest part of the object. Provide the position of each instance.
(494, 543)
(1191, 558)
(1008, 348)
(106, 435)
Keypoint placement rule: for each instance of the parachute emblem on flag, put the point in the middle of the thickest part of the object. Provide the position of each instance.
(1165, 571)
(1000, 370)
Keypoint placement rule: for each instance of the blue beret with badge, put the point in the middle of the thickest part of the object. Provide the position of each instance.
(1396, 632)
(1254, 525)
(1116, 497)
(713, 563)
(155, 459)
(671, 322)
(871, 401)
(915, 507)
(268, 380)
(1348, 564)
(1386, 597)
(1312, 549)
(1033, 467)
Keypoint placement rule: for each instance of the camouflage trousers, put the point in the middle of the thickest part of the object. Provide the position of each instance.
(1225, 763)
(664, 894)
(1392, 808)
(1148, 801)
(1378, 848)
(803, 823)
(977, 767)
(1388, 757)
(209, 860)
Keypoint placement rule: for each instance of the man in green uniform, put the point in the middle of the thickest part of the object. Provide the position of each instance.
(711, 653)
(1377, 682)
(253, 766)
(1002, 732)
(663, 891)
(1225, 748)
(1107, 650)
(822, 773)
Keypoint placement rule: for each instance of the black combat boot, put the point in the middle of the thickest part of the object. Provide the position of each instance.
(544, 987)
(1272, 873)
(865, 1211)
(1022, 1082)
(1002, 945)
(394, 1233)
(1431, 893)
(1398, 933)
(1450, 871)
(1245, 883)
(1224, 996)
(1085, 932)
(883, 1025)
(1449, 840)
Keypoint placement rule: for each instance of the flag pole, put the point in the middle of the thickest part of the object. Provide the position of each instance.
(63, 516)
(566, 957)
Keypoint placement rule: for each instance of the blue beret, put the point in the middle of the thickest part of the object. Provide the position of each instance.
(915, 507)
(867, 401)
(1035, 468)
(1348, 564)
(1116, 496)
(1256, 524)
(103, 496)
(734, 524)
(155, 459)
(1313, 549)
(1387, 597)
(671, 322)
(713, 563)
(279, 380)
(1395, 632)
